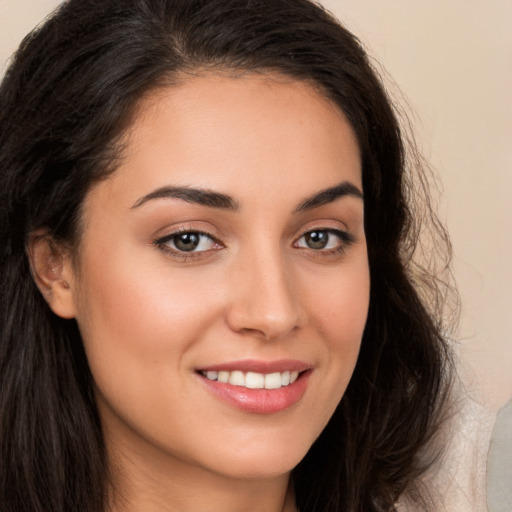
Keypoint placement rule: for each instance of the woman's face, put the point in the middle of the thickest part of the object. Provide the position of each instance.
(229, 246)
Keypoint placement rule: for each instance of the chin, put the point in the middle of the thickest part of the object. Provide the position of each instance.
(261, 461)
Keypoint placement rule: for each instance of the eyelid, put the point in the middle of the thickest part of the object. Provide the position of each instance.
(345, 236)
(327, 224)
(161, 243)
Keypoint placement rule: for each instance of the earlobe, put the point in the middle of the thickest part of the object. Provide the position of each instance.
(53, 273)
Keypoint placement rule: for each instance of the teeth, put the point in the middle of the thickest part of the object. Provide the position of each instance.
(253, 380)
(237, 378)
(212, 375)
(223, 377)
(273, 381)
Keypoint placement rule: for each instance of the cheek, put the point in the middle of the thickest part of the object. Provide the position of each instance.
(134, 319)
(340, 306)
(132, 297)
(138, 321)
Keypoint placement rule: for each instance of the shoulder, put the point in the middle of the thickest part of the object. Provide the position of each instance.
(457, 482)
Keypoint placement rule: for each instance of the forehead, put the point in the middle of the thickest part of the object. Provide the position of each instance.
(255, 132)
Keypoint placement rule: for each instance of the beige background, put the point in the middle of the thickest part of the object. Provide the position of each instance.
(452, 59)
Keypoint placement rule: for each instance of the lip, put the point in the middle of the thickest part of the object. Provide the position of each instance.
(259, 401)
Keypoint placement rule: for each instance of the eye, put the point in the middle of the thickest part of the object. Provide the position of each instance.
(324, 240)
(187, 242)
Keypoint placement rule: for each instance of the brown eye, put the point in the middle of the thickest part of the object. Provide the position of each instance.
(317, 239)
(325, 240)
(187, 241)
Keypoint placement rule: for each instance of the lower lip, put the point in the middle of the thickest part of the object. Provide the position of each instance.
(260, 401)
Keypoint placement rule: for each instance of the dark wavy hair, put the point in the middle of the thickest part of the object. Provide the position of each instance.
(67, 98)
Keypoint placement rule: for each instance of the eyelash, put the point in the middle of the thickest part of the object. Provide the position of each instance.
(162, 244)
(346, 239)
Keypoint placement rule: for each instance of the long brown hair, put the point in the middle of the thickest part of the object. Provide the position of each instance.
(64, 103)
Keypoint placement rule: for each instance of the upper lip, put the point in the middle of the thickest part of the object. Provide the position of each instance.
(259, 366)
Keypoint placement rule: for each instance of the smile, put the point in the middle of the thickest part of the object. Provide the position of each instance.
(253, 380)
(257, 386)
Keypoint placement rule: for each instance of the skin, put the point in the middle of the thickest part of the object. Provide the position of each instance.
(150, 317)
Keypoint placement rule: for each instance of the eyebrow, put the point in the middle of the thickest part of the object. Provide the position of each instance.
(191, 195)
(213, 199)
(329, 195)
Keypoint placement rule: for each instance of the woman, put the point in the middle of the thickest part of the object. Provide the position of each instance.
(209, 300)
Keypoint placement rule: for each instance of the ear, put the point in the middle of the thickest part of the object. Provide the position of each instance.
(53, 273)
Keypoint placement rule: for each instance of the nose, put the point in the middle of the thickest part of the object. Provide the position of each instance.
(264, 302)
